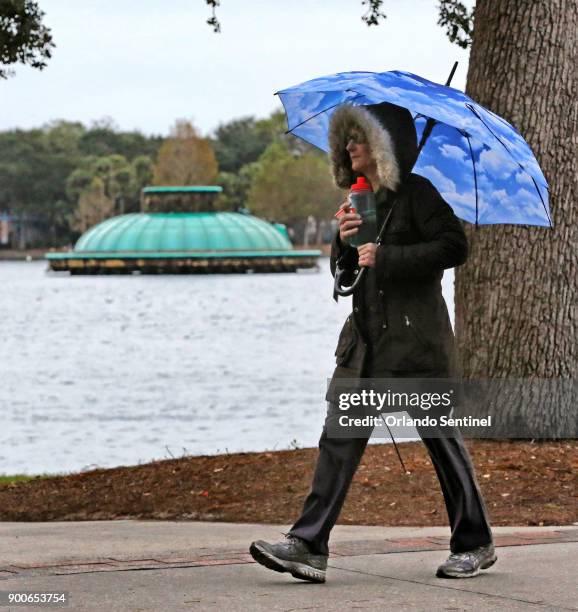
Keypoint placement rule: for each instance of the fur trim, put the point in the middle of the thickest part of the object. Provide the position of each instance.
(378, 137)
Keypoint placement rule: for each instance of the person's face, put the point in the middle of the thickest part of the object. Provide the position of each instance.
(359, 152)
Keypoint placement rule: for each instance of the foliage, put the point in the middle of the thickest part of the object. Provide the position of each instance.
(69, 176)
(142, 172)
(458, 21)
(236, 187)
(94, 205)
(104, 138)
(212, 20)
(453, 14)
(34, 165)
(241, 142)
(24, 39)
(122, 180)
(287, 187)
(185, 158)
(373, 14)
(44, 171)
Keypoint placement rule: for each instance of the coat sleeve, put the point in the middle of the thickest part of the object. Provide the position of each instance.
(346, 257)
(443, 245)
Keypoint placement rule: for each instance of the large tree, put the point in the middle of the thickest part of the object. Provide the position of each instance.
(516, 298)
(122, 181)
(93, 206)
(290, 188)
(185, 158)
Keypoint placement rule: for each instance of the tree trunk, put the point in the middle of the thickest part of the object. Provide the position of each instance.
(320, 226)
(22, 237)
(516, 298)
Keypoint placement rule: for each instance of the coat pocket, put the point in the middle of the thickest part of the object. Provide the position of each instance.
(345, 343)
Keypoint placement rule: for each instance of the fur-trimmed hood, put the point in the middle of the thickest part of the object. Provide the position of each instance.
(391, 135)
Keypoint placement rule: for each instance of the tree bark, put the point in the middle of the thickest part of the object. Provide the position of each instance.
(516, 298)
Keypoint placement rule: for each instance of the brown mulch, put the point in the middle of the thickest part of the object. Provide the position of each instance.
(524, 483)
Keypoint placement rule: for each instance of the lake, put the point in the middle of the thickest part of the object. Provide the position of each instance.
(120, 370)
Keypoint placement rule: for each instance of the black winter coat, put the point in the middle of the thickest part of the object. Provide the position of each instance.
(400, 319)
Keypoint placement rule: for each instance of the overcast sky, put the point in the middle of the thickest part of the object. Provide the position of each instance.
(145, 64)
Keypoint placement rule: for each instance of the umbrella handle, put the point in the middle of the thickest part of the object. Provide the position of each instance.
(337, 288)
(344, 292)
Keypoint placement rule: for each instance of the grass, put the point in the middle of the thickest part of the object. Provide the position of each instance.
(6, 479)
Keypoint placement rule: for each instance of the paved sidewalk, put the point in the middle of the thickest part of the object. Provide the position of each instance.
(168, 565)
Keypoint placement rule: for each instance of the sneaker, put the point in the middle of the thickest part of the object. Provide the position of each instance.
(469, 563)
(292, 555)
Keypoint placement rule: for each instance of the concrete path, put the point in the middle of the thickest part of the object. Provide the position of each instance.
(162, 566)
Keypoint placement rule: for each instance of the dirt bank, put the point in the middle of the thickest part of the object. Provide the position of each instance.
(524, 484)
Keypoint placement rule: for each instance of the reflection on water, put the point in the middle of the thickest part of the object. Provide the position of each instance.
(107, 371)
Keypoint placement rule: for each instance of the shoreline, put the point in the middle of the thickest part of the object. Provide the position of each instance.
(38, 254)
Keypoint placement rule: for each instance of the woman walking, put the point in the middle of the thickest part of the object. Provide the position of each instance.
(399, 328)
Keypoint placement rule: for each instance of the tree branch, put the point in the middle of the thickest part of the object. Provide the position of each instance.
(213, 21)
(24, 39)
(373, 13)
(371, 16)
(458, 21)
(453, 15)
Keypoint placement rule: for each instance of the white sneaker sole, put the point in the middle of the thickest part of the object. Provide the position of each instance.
(450, 574)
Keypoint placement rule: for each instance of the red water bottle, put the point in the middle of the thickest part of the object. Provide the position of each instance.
(362, 199)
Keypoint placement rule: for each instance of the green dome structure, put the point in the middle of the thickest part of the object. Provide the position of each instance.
(183, 242)
(203, 231)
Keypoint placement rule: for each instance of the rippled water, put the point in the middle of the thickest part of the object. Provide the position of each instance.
(117, 370)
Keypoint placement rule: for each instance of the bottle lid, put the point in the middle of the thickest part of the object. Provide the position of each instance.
(361, 185)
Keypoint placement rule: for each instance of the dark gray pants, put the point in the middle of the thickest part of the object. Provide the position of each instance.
(338, 461)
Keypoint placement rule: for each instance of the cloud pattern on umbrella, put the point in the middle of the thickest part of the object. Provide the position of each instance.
(480, 163)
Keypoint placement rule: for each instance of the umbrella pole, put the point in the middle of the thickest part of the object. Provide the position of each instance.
(431, 122)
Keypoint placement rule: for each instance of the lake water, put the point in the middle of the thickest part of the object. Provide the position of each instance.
(120, 370)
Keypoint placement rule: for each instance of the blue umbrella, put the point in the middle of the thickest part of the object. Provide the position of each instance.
(481, 165)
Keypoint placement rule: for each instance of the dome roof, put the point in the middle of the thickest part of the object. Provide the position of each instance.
(183, 231)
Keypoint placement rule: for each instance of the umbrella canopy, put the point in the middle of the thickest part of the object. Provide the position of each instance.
(481, 165)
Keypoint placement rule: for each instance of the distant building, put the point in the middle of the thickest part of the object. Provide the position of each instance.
(22, 230)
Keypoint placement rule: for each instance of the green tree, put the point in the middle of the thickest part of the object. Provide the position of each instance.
(44, 170)
(276, 127)
(240, 142)
(142, 175)
(103, 138)
(24, 39)
(77, 182)
(117, 177)
(34, 165)
(236, 187)
(290, 188)
(122, 181)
